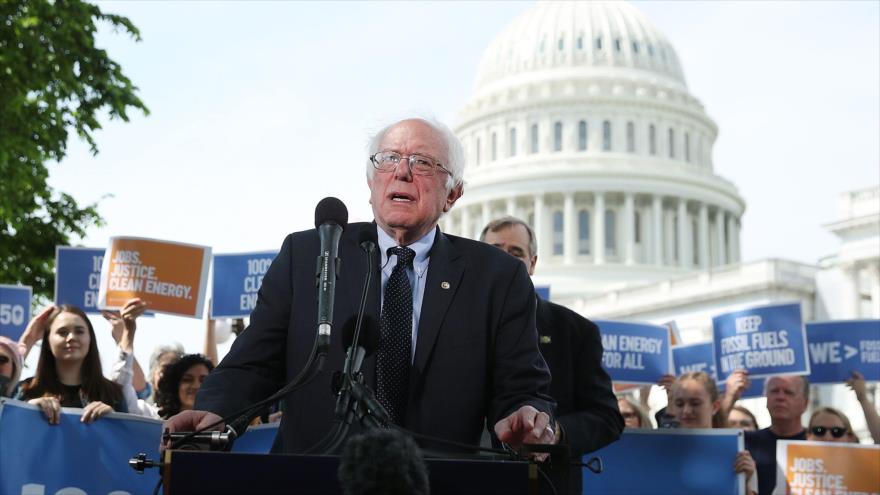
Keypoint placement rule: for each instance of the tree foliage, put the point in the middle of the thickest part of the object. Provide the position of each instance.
(53, 79)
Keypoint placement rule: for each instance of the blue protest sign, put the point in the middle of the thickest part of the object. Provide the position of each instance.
(543, 291)
(74, 457)
(837, 348)
(15, 310)
(237, 278)
(257, 439)
(766, 341)
(688, 358)
(682, 461)
(756, 389)
(78, 276)
(635, 352)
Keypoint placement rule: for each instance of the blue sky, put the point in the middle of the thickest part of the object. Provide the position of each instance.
(260, 109)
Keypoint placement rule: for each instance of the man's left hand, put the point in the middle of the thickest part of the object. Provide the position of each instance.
(525, 425)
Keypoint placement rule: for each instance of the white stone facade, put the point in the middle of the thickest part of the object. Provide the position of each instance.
(581, 124)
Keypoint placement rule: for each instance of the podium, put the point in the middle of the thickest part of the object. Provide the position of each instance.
(220, 473)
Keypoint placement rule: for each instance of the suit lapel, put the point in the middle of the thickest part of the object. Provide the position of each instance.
(445, 270)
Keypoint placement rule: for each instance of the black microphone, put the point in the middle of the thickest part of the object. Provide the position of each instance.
(331, 218)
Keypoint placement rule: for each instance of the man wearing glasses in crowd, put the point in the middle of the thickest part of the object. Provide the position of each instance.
(457, 343)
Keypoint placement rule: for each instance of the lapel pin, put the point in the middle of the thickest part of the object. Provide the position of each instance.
(444, 285)
(545, 339)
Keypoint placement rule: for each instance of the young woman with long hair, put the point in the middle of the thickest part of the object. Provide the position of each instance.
(69, 370)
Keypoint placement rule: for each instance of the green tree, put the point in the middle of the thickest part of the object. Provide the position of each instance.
(53, 79)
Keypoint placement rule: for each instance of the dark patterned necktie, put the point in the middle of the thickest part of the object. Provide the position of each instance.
(393, 356)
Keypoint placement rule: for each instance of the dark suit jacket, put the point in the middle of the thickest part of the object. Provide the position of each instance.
(586, 405)
(476, 355)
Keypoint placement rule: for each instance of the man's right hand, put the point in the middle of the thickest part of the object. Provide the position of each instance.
(191, 420)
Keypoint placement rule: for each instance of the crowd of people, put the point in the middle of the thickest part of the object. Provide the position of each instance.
(694, 401)
(69, 371)
(524, 369)
(68, 374)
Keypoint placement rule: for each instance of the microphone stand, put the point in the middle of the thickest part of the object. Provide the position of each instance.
(350, 400)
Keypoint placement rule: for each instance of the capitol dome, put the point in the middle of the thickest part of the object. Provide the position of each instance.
(581, 123)
(580, 37)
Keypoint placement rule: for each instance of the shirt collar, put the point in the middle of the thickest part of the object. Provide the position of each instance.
(422, 247)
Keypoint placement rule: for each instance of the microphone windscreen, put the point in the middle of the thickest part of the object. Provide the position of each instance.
(367, 339)
(331, 210)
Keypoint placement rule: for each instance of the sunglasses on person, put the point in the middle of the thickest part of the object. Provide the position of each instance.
(820, 431)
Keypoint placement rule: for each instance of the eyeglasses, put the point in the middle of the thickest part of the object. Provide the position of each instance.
(820, 431)
(628, 414)
(387, 161)
(3, 359)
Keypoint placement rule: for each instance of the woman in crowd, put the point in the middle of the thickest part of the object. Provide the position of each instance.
(633, 414)
(10, 366)
(696, 401)
(180, 382)
(69, 369)
(697, 404)
(742, 418)
(829, 425)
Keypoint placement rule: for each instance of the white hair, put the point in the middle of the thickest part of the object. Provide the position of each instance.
(455, 159)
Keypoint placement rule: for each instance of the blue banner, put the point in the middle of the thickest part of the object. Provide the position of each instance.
(41, 458)
(683, 461)
(257, 439)
(78, 277)
(15, 310)
(755, 390)
(766, 341)
(635, 352)
(688, 358)
(237, 278)
(837, 348)
(543, 291)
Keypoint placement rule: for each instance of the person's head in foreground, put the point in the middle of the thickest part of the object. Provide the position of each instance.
(383, 462)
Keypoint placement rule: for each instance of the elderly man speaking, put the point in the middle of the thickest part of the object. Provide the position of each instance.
(457, 345)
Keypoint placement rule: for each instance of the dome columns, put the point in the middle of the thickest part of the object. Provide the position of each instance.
(570, 229)
(628, 229)
(538, 224)
(657, 229)
(681, 228)
(598, 228)
(721, 246)
(602, 227)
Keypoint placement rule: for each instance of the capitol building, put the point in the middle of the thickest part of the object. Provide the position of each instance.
(582, 124)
